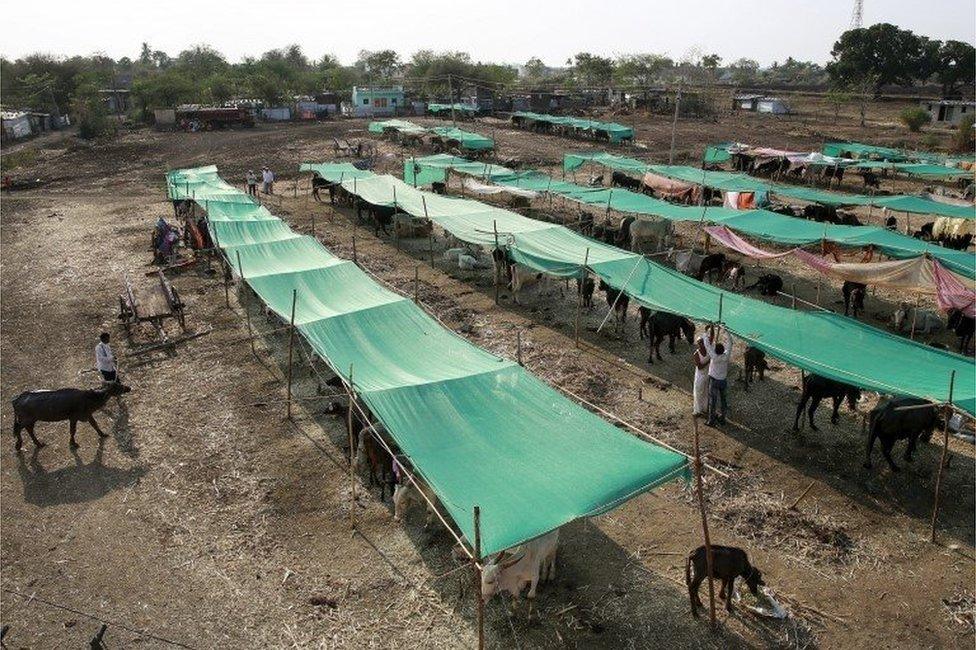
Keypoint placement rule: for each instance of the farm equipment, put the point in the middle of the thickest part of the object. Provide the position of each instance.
(151, 303)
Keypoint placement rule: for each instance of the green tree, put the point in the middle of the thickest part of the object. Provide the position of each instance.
(915, 118)
(592, 70)
(744, 71)
(534, 69)
(640, 69)
(955, 64)
(882, 53)
(379, 66)
(962, 141)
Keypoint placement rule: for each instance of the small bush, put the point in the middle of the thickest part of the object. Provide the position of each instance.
(23, 158)
(915, 118)
(962, 141)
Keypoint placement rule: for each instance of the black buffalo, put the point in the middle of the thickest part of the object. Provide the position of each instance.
(72, 404)
(888, 424)
(769, 284)
(728, 563)
(755, 364)
(585, 289)
(816, 388)
(711, 266)
(619, 305)
(963, 326)
(656, 325)
(623, 180)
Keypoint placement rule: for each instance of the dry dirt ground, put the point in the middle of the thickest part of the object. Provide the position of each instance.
(209, 520)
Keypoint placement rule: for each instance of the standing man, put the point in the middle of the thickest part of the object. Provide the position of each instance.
(252, 183)
(268, 178)
(719, 355)
(105, 360)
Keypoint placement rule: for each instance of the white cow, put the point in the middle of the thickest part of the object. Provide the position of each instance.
(926, 321)
(521, 277)
(528, 563)
(468, 262)
(406, 494)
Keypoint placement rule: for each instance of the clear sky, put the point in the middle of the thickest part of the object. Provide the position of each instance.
(496, 30)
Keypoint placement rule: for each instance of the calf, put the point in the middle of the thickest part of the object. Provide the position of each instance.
(925, 232)
(769, 284)
(585, 289)
(372, 454)
(755, 363)
(72, 404)
(888, 424)
(728, 563)
(405, 227)
(853, 297)
(711, 266)
(963, 326)
(816, 388)
(406, 494)
(657, 325)
(529, 563)
(623, 180)
(619, 305)
(521, 277)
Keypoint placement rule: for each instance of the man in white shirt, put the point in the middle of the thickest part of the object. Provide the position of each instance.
(105, 360)
(719, 355)
(268, 179)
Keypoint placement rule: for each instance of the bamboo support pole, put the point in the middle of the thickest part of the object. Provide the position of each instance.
(477, 578)
(247, 312)
(518, 346)
(579, 295)
(709, 557)
(494, 225)
(918, 298)
(416, 284)
(352, 452)
(945, 453)
(291, 345)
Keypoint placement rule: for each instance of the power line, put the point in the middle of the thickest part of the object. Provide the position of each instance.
(857, 16)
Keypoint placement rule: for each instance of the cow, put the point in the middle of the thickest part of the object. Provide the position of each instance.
(888, 424)
(769, 284)
(870, 180)
(619, 305)
(370, 453)
(529, 563)
(521, 277)
(620, 179)
(468, 262)
(72, 404)
(406, 494)
(650, 236)
(711, 266)
(891, 223)
(821, 213)
(963, 326)
(853, 297)
(816, 388)
(381, 215)
(317, 184)
(755, 363)
(847, 219)
(920, 320)
(925, 232)
(728, 563)
(405, 226)
(657, 325)
(585, 289)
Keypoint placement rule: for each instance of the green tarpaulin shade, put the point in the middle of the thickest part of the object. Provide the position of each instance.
(928, 168)
(863, 152)
(728, 181)
(437, 109)
(615, 132)
(762, 224)
(465, 139)
(481, 430)
(820, 342)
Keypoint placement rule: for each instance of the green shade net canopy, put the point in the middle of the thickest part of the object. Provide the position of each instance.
(464, 139)
(611, 130)
(824, 343)
(481, 430)
(761, 224)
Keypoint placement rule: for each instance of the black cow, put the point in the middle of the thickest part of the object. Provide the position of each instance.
(623, 233)
(821, 213)
(963, 326)
(728, 563)
(72, 404)
(853, 297)
(381, 215)
(606, 233)
(755, 363)
(620, 310)
(891, 223)
(847, 219)
(816, 388)
(769, 284)
(656, 325)
(623, 180)
(925, 232)
(870, 179)
(888, 424)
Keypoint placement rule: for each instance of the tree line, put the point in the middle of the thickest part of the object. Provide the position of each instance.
(863, 60)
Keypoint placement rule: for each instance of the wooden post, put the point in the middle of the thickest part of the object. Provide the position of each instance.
(518, 346)
(945, 452)
(494, 225)
(352, 452)
(818, 290)
(313, 224)
(709, 558)
(721, 297)
(291, 345)
(793, 292)
(579, 294)
(416, 284)
(918, 298)
(247, 312)
(354, 258)
(477, 578)
(396, 233)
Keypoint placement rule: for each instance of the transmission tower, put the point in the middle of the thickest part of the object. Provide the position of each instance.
(858, 14)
